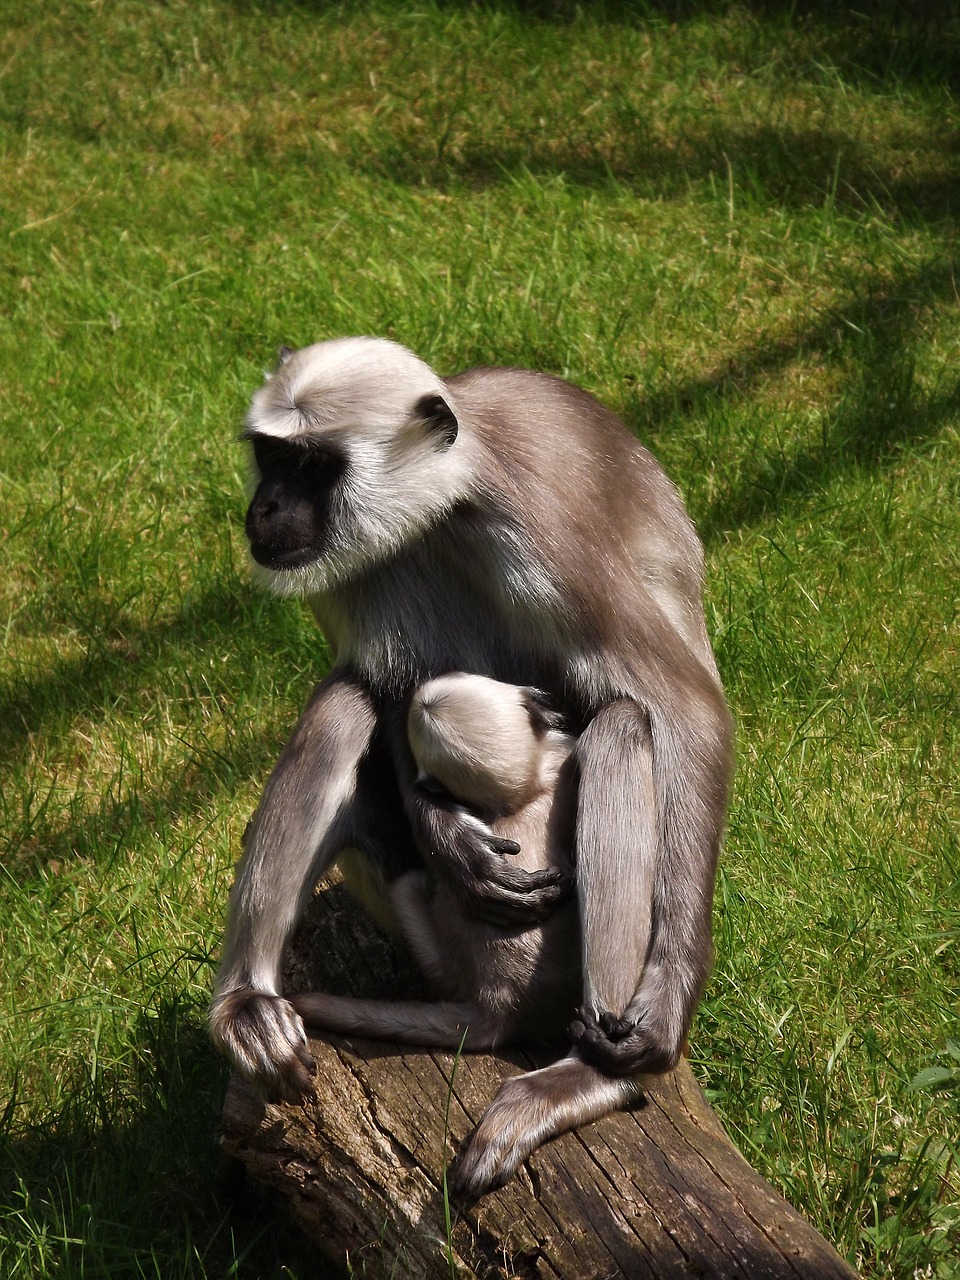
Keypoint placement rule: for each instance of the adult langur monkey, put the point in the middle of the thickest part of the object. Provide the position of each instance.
(504, 523)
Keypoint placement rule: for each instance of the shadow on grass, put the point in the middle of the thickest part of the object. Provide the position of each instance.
(887, 41)
(86, 1193)
(786, 166)
(881, 412)
(123, 657)
(793, 166)
(124, 661)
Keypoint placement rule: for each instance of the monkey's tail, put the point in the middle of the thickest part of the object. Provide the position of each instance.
(441, 1024)
(529, 1110)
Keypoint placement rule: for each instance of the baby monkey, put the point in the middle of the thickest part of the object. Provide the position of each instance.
(499, 754)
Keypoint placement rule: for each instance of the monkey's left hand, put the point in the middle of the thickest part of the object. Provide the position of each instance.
(621, 1046)
(475, 864)
(510, 897)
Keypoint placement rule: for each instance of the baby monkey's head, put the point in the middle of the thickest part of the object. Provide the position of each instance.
(490, 745)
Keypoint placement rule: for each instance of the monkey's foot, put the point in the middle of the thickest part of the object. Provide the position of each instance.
(527, 1111)
(512, 1128)
(263, 1037)
(621, 1046)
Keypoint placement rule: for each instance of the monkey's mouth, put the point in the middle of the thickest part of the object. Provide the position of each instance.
(282, 558)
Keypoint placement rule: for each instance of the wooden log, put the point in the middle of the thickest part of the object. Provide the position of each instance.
(658, 1191)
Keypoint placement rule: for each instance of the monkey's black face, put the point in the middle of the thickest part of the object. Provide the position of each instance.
(288, 520)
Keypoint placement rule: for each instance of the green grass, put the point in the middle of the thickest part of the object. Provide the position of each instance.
(733, 223)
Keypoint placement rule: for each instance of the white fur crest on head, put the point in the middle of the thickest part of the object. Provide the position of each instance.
(366, 383)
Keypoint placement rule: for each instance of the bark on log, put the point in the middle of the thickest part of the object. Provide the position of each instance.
(658, 1192)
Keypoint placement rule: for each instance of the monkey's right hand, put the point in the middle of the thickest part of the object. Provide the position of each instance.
(473, 861)
(263, 1037)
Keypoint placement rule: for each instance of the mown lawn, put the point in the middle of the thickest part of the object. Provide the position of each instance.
(736, 225)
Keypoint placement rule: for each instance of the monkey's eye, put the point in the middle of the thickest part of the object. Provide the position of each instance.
(314, 453)
(270, 453)
(323, 463)
(432, 786)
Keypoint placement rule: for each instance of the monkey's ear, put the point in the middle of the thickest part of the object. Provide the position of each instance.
(283, 355)
(439, 419)
(543, 714)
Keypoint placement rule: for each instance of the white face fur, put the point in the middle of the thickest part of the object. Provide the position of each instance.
(360, 395)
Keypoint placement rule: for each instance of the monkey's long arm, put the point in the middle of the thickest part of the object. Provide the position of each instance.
(651, 805)
(303, 821)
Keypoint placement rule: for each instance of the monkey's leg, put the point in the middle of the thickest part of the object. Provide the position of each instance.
(303, 821)
(652, 798)
(412, 901)
(441, 1024)
(444, 1024)
(529, 1110)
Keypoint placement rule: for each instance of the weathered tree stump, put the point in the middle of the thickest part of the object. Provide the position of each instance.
(659, 1191)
